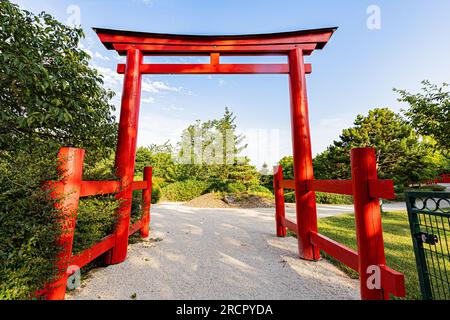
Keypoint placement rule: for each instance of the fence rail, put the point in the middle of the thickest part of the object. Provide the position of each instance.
(366, 190)
(443, 178)
(67, 194)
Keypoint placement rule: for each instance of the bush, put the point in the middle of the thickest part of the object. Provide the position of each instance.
(162, 183)
(27, 225)
(97, 217)
(136, 206)
(323, 198)
(437, 187)
(289, 197)
(236, 187)
(216, 185)
(95, 220)
(261, 190)
(58, 101)
(185, 190)
(266, 181)
(330, 198)
(400, 192)
(156, 192)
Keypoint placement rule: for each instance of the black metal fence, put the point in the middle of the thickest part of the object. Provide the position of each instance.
(429, 217)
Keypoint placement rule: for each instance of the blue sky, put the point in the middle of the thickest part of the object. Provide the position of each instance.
(353, 74)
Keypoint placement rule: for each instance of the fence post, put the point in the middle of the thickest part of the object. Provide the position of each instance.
(67, 195)
(280, 211)
(369, 232)
(146, 202)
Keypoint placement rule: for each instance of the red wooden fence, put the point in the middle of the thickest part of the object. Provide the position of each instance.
(443, 178)
(366, 190)
(67, 192)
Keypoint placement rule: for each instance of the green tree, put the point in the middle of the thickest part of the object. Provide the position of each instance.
(210, 151)
(401, 154)
(429, 113)
(287, 163)
(48, 91)
(231, 143)
(49, 97)
(160, 157)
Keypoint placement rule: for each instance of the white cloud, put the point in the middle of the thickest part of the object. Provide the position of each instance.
(83, 47)
(332, 122)
(173, 108)
(148, 100)
(158, 128)
(145, 2)
(89, 52)
(326, 131)
(157, 87)
(112, 79)
(93, 55)
(101, 57)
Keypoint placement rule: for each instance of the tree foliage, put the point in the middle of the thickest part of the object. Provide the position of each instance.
(429, 113)
(207, 151)
(48, 91)
(49, 97)
(400, 152)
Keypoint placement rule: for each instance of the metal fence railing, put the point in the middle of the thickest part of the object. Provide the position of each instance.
(429, 217)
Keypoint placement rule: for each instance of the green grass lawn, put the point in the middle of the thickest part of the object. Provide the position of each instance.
(398, 244)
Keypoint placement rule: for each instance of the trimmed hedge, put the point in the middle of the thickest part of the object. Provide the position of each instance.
(156, 193)
(236, 187)
(400, 192)
(261, 190)
(329, 198)
(185, 190)
(289, 197)
(323, 198)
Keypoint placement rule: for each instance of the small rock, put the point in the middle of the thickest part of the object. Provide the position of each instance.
(229, 199)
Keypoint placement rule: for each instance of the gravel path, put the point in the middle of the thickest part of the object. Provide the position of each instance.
(216, 254)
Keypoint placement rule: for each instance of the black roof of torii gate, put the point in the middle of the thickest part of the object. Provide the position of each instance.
(118, 39)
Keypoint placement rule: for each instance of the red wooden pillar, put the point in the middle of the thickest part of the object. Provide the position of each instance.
(126, 151)
(280, 211)
(147, 200)
(67, 194)
(303, 165)
(369, 231)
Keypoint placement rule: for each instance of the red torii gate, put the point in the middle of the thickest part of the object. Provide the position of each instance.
(364, 186)
(295, 45)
